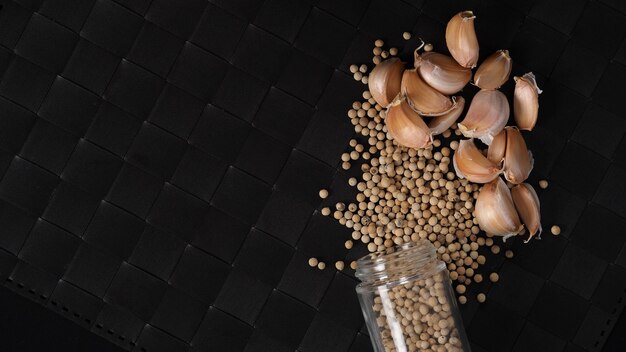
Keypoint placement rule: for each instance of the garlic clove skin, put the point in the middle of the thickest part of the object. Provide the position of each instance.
(384, 81)
(470, 163)
(518, 160)
(461, 39)
(497, 148)
(486, 117)
(528, 207)
(526, 101)
(439, 124)
(422, 98)
(495, 211)
(406, 126)
(442, 72)
(494, 71)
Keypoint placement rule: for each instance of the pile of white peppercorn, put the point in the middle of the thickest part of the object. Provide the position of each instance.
(407, 194)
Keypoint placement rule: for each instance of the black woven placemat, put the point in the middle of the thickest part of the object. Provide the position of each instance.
(161, 161)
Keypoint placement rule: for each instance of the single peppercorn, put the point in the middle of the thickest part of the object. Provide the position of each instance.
(481, 297)
(494, 277)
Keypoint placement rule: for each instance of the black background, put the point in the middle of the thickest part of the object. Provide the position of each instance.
(161, 160)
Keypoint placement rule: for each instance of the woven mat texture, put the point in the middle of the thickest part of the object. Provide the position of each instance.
(160, 162)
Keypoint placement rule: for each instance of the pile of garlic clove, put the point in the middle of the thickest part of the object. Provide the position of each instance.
(420, 104)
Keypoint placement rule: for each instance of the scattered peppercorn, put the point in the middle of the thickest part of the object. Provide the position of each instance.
(481, 297)
(494, 277)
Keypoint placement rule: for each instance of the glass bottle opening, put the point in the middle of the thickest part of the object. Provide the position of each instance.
(399, 264)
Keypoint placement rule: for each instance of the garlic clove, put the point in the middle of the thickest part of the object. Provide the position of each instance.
(527, 204)
(461, 39)
(526, 101)
(441, 123)
(486, 117)
(406, 126)
(422, 98)
(442, 72)
(384, 81)
(518, 160)
(497, 148)
(495, 211)
(494, 71)
(469, 162)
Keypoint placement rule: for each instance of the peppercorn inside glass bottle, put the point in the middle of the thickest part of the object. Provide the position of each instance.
(408, 302)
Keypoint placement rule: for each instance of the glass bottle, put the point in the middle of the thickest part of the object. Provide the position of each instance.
(408, 302)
